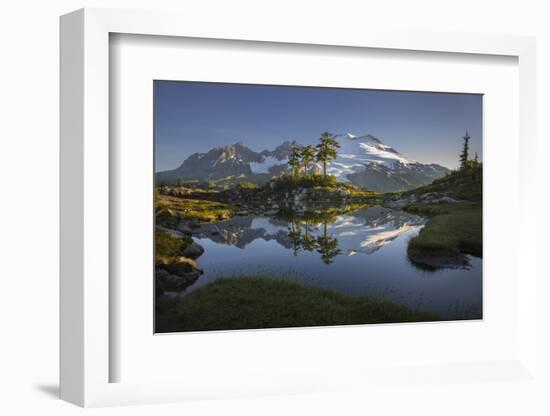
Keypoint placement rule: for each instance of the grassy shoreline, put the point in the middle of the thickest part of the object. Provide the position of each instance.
(251, 302)
(201, 210)
(455, 219)
(452, 232)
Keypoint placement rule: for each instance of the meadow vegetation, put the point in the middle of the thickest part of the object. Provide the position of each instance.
(169, 247)
(454, 229)
(463, 184)
(169, 209)
(249, 302)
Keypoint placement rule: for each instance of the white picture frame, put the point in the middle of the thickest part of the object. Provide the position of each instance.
(85, 211)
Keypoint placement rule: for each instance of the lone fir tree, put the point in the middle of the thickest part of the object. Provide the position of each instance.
(294, 160)
(326, 150)
(308, 155)
(464, 155)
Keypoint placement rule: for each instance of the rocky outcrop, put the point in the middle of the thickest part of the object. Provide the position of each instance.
(437, 198)
(184, 228)
(193, 251)
(178, 274)
(402, 201)
(312, 199)
(175, 266)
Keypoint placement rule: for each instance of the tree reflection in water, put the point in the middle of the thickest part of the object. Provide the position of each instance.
(327, 246)
(302, 237)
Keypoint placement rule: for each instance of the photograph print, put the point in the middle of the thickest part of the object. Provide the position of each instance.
(289, 206)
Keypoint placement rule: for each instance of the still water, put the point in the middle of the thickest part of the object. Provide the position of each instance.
(358, 253)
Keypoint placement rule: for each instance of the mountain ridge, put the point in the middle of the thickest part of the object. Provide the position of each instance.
(362, 160)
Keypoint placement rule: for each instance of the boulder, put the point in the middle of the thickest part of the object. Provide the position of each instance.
(170, 232)
(172, 282)
(429, 195)
(193, 250)
(182, 266)
(177, 275)
(172, 212)
(194, 223)
(184, 228)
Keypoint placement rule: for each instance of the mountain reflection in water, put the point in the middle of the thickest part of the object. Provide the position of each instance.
(361, 252)
(363, 231)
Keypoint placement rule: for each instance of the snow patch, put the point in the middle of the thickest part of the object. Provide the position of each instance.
(266, 163)
(379, 153)
(360, 151)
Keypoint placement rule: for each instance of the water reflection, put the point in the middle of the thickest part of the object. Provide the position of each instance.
(329, 234)
(359, 252)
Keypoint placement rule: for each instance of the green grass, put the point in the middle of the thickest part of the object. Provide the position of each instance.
(168, 247)
(224, 183)
(266, 302)
(202, 210)
(284, 182)
(452, 231)
(463, 184)
(247, 185)
(329, 182)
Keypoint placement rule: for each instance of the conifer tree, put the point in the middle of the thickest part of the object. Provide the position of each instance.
(465, 149)
(294, 158)
(326, 150)
(308, 155)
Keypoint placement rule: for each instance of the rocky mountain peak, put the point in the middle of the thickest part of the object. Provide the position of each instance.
(362, 160)
(281, 152)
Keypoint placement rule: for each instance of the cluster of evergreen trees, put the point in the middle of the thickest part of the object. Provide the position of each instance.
(302, 156)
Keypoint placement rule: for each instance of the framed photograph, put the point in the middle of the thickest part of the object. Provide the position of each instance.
(280, 213)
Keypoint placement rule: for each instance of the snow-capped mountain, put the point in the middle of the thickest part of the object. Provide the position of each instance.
(362, 160)
(273, 161)
(356, 152)
(231, 161)
(366, 161)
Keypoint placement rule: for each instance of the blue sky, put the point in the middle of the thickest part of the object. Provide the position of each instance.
(195, 117)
